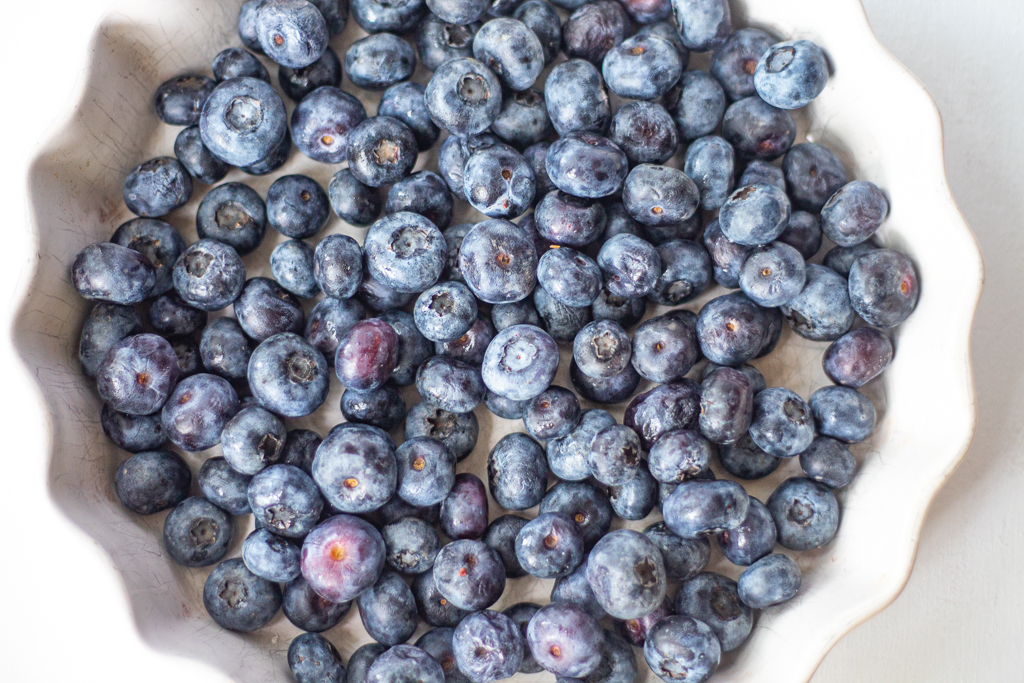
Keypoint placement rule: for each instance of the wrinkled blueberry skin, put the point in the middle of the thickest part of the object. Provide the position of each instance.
(480, 584)
(471, 346)
(553, 413)
(822, 311)
(642, 67)
(843, 413)
(594, 29)
(517, 472)
(179, 101)
(270, 557)
(361, 660)
(686, 272)
(726, 405)
(751, 540)
(681, 647)
(438, 41)
(745, 460)
(405, 251)
(568, 456)
(498, 262)
(790, 75)
(773, 274)
(562, 322)
(635, 499)
(199, 161)
(383, 407)
(237, 599)
(663, 409)
(133, 433)
(684, 558)
(338, 266)
(602, 349)
(829, 462)
(412, 545)
(697, 104)
(463, 96)
(137, 374)
(731, 329)
(806, 513)
(225, 486)
(106, 325)
(313, 659)
(434, 608)
(453, 12)
(285, 500)
(565, 639)
(857, 357)
(388, 610)
(754, 214)
(884, 287)
(659, 195)
(498, 181)
(426, 471)
(627, 311)
(500, 535)
(645, 132)
(586, 165)
(253, 440)
(114, 274)
(291, 264)
(726, 256)
(291, 32)
(265, 308)
(361, 550)
(197, 533)
(437, 643)
(151, 481)
(520, 362)
(814, 174)
(550, 546)
(464, 510)
(209, 275)
(523, 120)
(156, 240)
(458, 431)
(735, 61)
(712, 599)
(574, 588)
(679, 455)
(288, 375)
(782, 424)
(243, 121)
(488, 646)
(576, 98)
(627, 574)
(584, 504)
(569, 221)
(323, 124)
(665, 347)
(509, 48)
(405, 664)
(379, 61)
(355, 470)
(771, 580)
(521, 613)
(710, 162)
(853, 213)
(450, 384)
(541, 18)
(698, 507)
(703, 24)
(381, 151)
(757, 130)
(631, 266)
(310, 612)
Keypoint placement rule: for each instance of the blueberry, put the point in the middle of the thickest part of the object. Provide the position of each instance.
(209, 275)
(388, 611)
(379, 61)
(179, 101)
(803, 233)
(458, 431)
(523, 120)
(234, 62)
(509, 48)
(537, 156)
(239, 600)
(857, 357)
(335, 13)
(338, 266)
(712, 599)
(521, 613)
(635, 499)
(806, 513)
(627, 311)
(500, 535)
(405, 251)
(665, 347)
(710, 162)
(504, 408)
(298, 83)
(152, 481)
(576, 98)
(751, 540)
(814, 174)
(356, 470)
(647, 12)
(659, 195)
(383, 407)
(828, 462)
(641, 67)
(286, 500)
(586, 165)
(406, 102)
(464, 510)
(233, 214)
(631, 266)
(735, 61)
(155, 239)
(679, 455)
(243, 121)
(703, 24)
(310, 612)
(782, 424)
(635, 630)
(400, 16)
(288, 375)
(405, 664)
(681, 647)
(454, 12)
(645, 132)
(291, 32)
(113, 274)
(769, 581)
(366, 355)
(585, 504)
(169, 315)
(569, 221)
(106, 326)
(469, 574)
(225, 486)
(252, 440)
(265, 309)
(553, 413)
(698, 507)
(687, 272)
(137, 374)
(520, 362)
(271, 557)
(472, 345)
(517, 472)
(450, 384)
(843, 413)
(300, 448)
(697, 104)
(602, 349)
(292, 265)
(412, 545)
(277, 158)
(627, 574)
(313, 659)
(790, 75)
(426, 471)
(437, 643)
(452, 157)
(758, 130)
(565, 639)
(731, 329)
(726, 405)
(463, 96)
(434, 608)
(613, 389)
(197, 533)
(574, 588)
(488, 646)
(297, 206)
(754, 214)
(745, 460)
(541, 18)
(568, 456)
(593, 29)
(361, 660)
(445, 312)
(438, 41)
(498, 181)
(684, 558)
(727, 256)
(198, 161)
(342, 557)
(498, 262)
(381, 151)
(884, 287)
(247, 24)
(663, 409)
(773, 274)
(759, 171)
(133, 433)
(822, 311)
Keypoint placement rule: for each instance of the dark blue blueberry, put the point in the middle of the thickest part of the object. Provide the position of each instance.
(225, 486)
(224, 348)
(504, 408)
(500, 535)
(450, 384)
(300, 448)
(151, 481)
(169, 315)
(553, 413)
(498, 181)
(806, 513)
(335, 13)
(297, 83)
(265, 309)
(517, 472)
(234, 62)
(274, 160)
(405, 251)
(550, 546)
(238, 600)
(106, 325)
(179, 101)
(593, 29)
(635, 631)
(843, 413)
(243, 121)
(659, 195)
(406, 102)
(361, 660)
(773, 274)
(469, 574)
(840, 259)
(411, 545)
(602, 349)
(712, 599)
(697, 104)
(521, 613)
(285, 500)
(297, 206)
(648, 12)
(523, 120)
(751, 540)
(342, 557)
(383, 407)
(186, 349)
(356, 470)
(698, 507)
(324, 123)
(437, 41)
(338, 266)
(568, 456)
(641, 67)
(734, 62)
(679, 455)
(726, 405)
(458, 431)
(488, 646)
(133, 433)
(710, 162)
(814, 174)
(329, 321)
(388, 611)
(631, 266)
(452, 157)
(310, 612)
(397, 16)
(726, 255)
(687, 272)
(510, 49)
(405, 664)
(782, 424)
(464, 511)
(853, 213)
(291, 32)
(884, 287)
(199, 161)
(587, 165)
(627, 574)
(574, 588)
(731, 329)
(627, 311)
(769, 581)
(857, 357)
(471, 346)
(209, 275)
(233, 214)
(663, 409)
(608, 390)
(313, 659)
(453, 237)
(576, 99)
(498, 262)
(463, 96)
(537, 157)
(541, 18)
(803, 233)
(197, 533)
(758, 130)
(565, 639)
(434, 608)
(635, 499)
(585, 504)
(520, 362)
(568, 220)
(645, 132)
(703, 25)
(252, 440)
(754, 214)
(156, 240)
(745, 460)
(288, 375)
(437, 643)
(684, 558)
(828, 462)
(379, 61)
(682, 648)
(137, 374)
(665, 347)
(426, 471)
(445, 312)
(271, 557)
(822, 311)
(763, 172)
(291, 264)
(157, 187)
(790, 75)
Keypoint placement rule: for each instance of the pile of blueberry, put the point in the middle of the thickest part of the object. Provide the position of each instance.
(474, 313)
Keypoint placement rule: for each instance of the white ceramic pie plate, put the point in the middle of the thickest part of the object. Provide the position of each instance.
(873, 113)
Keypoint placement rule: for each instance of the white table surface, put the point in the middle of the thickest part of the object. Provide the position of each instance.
(960, 618)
